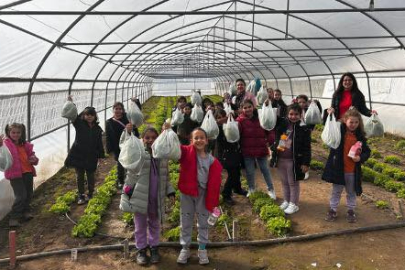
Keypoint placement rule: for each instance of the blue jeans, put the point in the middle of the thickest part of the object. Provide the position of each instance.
(250, 171)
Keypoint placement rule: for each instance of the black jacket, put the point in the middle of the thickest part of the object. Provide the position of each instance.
(87, 147)
(301, 146)
(334, 169)
(281, 106)
(358, 101)
(229, 154)
(113, 134)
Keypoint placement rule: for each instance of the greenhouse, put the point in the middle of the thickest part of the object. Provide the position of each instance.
(99, 52)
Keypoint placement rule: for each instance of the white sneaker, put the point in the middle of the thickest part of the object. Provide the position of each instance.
(291, 209)
(250, 191)
(306, 175)
(284, 205)
(272, 194)
(183, 256)
(203, 257)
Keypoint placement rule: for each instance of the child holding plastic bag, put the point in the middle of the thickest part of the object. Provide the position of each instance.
(344, 171)
(229, 154)
(188, 125)
(291, 154)
(254, 141)
(144, 194)
(21, 173)
(304, 103)
(86, 150)
(199, 184)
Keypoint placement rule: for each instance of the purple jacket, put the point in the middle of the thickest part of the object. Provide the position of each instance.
(15, 171)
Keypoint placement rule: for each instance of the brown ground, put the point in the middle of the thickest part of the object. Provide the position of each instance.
(373, 250)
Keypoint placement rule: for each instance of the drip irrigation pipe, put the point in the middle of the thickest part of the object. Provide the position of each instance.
(219, 244)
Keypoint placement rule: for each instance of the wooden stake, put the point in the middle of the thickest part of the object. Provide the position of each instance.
(126, 249)
(11, 240)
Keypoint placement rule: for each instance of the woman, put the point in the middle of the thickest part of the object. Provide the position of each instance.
(348, 95)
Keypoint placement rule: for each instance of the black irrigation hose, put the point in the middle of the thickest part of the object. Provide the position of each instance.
(220, 244)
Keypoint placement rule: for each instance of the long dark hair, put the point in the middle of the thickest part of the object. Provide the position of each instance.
(340, 87)
(22, 129)
(119, 104)
(89, 111)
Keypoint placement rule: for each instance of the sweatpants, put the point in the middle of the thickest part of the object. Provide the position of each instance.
(350, 193)
(232, 181)
(291, 188)
(145, 223)
(80, 180)
(23, 192)
(188, 207)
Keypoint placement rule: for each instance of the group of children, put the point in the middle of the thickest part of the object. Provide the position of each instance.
(201, 165)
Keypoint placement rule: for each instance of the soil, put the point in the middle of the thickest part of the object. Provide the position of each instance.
(373, 250)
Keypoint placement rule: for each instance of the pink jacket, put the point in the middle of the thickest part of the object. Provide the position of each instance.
(15, 171)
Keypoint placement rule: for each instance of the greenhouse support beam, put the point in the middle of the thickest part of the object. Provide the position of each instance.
(203, 12)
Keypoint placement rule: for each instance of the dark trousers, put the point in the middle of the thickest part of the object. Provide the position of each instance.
(120, 171)
(23, 191)
(232, 181)
(80, 180)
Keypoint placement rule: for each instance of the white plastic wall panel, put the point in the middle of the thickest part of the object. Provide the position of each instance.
(90, 68)
(344, 65)
(125, 5)
(384, 60)
(13, 110)
(315, 68)
(279, 73)
(43, 87)
(284, 86)
(13, 88)
(394, 21)
(82, 86)
(295, 71)
(60, 64)
(300, 86)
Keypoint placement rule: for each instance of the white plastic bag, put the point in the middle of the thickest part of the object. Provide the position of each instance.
(197, 114)
(313, 115)
(69, 110)
(196, 98)
(135, 115)
(232, 89)
(210, 126)
(261, 95)
(132, 149)
(231, 130)
(252, 86)
(374, 127)
(167, 146)
(331, 135)
(6, 160)
(177, 118)
(227, 108)
(267, 117)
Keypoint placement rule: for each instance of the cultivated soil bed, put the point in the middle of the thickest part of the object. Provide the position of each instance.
(372, 250)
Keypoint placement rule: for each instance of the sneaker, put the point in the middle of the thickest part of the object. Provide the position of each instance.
(241, 192)
(284, 205)
(229, 201)
(306, 175)
(272, 194)
(154, 255)
(203, 256)
(183, 256)
(250, 192)
(331, 215)
(141, 257)
(13, 222)
(81, 199)
(351, 216)
(291, 209)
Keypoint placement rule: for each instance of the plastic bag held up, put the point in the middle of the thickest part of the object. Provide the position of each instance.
(135, 115)
(196, 99)
(261, 95)
(313, 115)
(374, 127)
(6, 160)
(197, 114)
(132, 149)
(231, 130)
(227, 108)
(177, 118)
(167, 146)
(69, 110)
(331, 135)
(267, 117)
(210, 126)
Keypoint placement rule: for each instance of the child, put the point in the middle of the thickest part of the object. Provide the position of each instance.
(21, 173)
(344, 171)
(188, 125)
(279, 103)
(254, 141)
(145, 192)
(86, 150)
(199, 184)
(114, 127)
(291, 155)
(229, 154)
(304, 102)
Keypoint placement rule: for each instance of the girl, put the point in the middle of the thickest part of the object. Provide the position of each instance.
(144, 194)
(292, 156)
(188, 125)
(304, 102)
(254, 141)
(279, 103)
(344, 171)
(199, 184)
(22, 172)
(229, 154)
(86, 150)
(114, 127)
